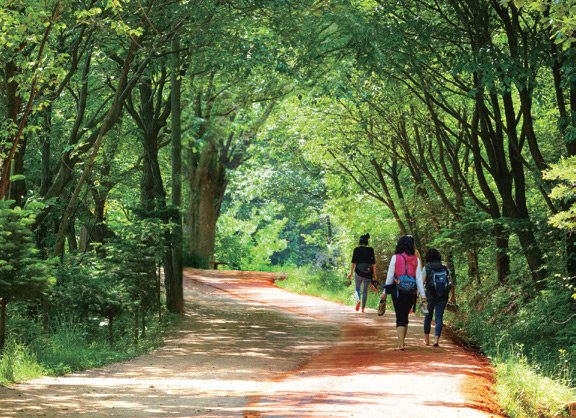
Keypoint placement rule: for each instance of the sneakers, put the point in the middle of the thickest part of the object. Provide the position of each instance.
(381, 308)
(358, 306)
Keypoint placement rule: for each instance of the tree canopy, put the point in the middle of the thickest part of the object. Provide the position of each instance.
(138, 137)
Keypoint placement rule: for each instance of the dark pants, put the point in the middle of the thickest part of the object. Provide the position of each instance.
(402, 305)
(438, 305)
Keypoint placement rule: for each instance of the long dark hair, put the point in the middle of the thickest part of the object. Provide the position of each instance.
(364, 239)
(405, 245)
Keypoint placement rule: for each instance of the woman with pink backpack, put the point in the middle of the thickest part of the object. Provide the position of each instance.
(403, 282)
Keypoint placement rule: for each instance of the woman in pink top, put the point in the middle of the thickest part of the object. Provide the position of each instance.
(404, 262)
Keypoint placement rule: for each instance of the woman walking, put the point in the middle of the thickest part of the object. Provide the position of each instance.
(363, 269)
(404, 291)
(439, 287)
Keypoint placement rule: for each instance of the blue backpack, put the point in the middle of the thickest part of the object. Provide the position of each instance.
(439, 281)
(405, 284)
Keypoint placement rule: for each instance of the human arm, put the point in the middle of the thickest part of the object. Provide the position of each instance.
(391, 270)
(373, 260)
(352, 270)
(354, 261)
(419, 281)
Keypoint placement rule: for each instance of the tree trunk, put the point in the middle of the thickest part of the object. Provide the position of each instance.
(14, 103)
(3, 304)
(159, 292)
(502, 256)
(72, 242)
(17, 191)
(500, 234)
(206, 185)
(136, 325)
(176, 125)
(143, 315)
(111, 328)
(111, 117)
(473, 270)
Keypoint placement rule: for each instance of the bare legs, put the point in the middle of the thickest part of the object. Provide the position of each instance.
(401, 331)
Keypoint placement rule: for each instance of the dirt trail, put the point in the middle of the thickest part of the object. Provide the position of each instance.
(248, 348)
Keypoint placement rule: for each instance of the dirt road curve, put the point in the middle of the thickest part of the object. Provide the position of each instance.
(248, 348)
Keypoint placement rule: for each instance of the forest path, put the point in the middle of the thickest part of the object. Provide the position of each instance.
(249, 348)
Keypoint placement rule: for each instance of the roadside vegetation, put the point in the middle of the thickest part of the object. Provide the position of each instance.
(537, 385)
(141, 137)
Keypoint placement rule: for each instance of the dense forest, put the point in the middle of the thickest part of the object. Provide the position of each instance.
(140, 137)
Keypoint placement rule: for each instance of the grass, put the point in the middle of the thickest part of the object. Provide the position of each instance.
(18, 363)
(330, 285)
(72, 348)
(524, 393)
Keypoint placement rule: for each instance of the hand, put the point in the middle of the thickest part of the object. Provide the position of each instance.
(452, 300)
(350, 276)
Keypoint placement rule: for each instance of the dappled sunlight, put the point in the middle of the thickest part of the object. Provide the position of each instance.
(246, 347)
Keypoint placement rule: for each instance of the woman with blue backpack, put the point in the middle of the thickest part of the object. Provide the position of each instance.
(403, 282)
(439, 289)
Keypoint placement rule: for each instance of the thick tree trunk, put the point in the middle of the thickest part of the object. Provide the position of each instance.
(473, 270)
(206, 184)
(502, 256)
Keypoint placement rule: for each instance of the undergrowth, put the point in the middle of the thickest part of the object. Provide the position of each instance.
(332, 285)
(523, 392)
(72, 348)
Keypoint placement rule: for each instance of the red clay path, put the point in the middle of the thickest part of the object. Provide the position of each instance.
(249, 348)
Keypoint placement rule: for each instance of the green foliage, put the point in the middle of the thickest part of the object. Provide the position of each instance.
(23, 275)
(565, 192)
(330, 285)
(118, 279)
(501, 315)
(73, 346)
(524, 392)
(18, 363)
(249, 237)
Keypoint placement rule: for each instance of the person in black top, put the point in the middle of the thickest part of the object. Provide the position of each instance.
(363, 269)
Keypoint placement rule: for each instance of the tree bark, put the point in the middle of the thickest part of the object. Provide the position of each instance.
(176, 128)
(206, 184)
(122, 89)
(3, 304)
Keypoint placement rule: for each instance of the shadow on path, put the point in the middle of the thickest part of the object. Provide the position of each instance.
(246, 347)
